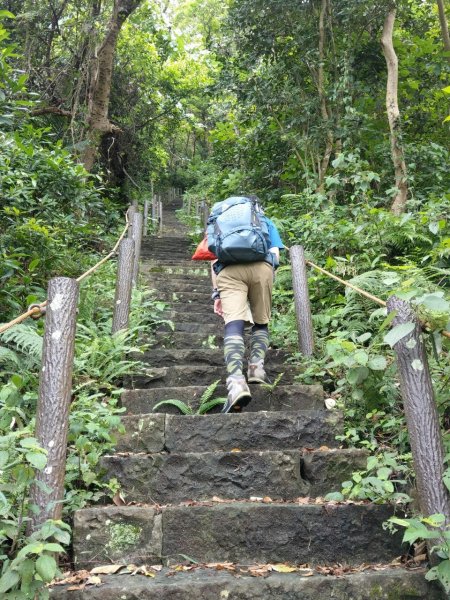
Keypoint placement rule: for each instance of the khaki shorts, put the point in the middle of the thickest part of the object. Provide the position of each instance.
(244, 285)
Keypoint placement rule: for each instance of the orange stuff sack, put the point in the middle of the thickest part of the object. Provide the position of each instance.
(202, 252)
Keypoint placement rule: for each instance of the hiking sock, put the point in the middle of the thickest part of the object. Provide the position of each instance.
(259, 343)
(234, 349)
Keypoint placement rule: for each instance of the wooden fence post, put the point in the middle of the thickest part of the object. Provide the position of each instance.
(301, 299)
(55, 390)
(132, 210)
(160, 217)
(421, 413)
(124, 283)
(205, 214)
(137, 238)
(146, 203)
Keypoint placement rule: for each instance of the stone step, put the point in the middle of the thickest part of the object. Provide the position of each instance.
(281, 398)
(227, 432)
(189, 298)
(160, 357)
(153, 277)
(166, 477)
(200, 324)
(202, 583)
(192, 317)
(177, 269)
(181, 339)
(169, 284)
(176, 376)
(243, 532)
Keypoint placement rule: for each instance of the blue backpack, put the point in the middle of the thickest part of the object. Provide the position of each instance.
(237, 231)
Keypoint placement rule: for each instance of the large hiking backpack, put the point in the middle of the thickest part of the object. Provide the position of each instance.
(237, 231)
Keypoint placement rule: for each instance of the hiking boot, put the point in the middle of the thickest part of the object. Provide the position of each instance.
(238, 393)
(256, 372)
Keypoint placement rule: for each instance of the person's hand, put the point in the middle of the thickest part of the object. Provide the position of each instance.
(218, 307)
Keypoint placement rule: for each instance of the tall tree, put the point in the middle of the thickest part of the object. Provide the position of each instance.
(444, 26)
(98, 123)
(399, 202)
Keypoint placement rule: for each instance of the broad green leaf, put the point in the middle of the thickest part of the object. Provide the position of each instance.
(435, 303)
(398, 333)
(377, 363)
(357, 375)
(361, 357)
(334, 497)
(388, 320)
(8, 580)
(29, 442)
(36, 459)
(52, 547)
(46, 567)
(446, 479)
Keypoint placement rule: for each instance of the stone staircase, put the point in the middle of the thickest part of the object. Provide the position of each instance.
(209, 497)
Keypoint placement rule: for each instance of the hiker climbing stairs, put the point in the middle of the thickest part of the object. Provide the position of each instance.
(208, 496)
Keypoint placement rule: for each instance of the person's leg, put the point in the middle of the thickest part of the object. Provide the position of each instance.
(234, 347)
(260, 296)
(233, 295)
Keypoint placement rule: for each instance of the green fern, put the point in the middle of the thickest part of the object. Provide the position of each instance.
(182, 406)
(25, 339)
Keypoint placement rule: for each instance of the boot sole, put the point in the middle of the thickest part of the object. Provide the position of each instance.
(242, 400)
(256, 380)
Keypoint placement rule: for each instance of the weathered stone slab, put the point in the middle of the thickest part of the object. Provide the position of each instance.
(201, 329)
(246, 532)
(208, 584)
(283, 397)
(252, 431)
(180, 339)
(325, 470)
(143, 433)
(116, 534)
(164, 477)
(175, 376)
(208, 356)
(191, 317)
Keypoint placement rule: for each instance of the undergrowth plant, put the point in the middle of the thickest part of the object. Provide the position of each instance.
(206, 402)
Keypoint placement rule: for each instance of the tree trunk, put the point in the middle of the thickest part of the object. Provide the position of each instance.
(444, 26)
(100, 81)
(399, 203)
(323, 165)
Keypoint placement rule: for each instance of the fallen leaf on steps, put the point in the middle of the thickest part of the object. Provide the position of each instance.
(118, 499)
(106, 569)
(283, 568)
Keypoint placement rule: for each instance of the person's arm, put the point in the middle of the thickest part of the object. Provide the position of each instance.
(217, 301)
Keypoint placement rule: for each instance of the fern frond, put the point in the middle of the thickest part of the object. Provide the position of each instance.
(9, 358)
(207, 406)
(207, 394)
(182, 406)
(25, 339)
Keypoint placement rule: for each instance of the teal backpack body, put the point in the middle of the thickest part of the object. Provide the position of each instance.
(238, 232)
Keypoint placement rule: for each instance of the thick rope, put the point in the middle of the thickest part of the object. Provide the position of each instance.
(37, 309)
(360, 291)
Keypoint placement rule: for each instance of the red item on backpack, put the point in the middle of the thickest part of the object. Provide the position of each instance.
(202, 252)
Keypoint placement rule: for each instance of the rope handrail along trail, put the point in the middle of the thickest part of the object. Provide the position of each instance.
(37, 308)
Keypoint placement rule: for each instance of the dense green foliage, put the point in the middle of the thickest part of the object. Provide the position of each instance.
(280, 98)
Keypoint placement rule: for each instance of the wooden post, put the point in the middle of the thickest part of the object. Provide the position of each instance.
(160, 217)
(205, 214)
(421, 413)
(146, 203)
(301, 299)
(55, 390)
(137, 238)
(130, 212)
(124, 283)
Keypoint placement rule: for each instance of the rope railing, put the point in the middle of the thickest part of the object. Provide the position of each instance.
(55, 379)
(362, 292)
(416, 384)
(35, 310)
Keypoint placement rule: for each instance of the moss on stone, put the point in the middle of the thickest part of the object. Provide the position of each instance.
(122, 536)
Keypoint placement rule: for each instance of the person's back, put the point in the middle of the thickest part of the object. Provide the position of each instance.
(237, 288)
